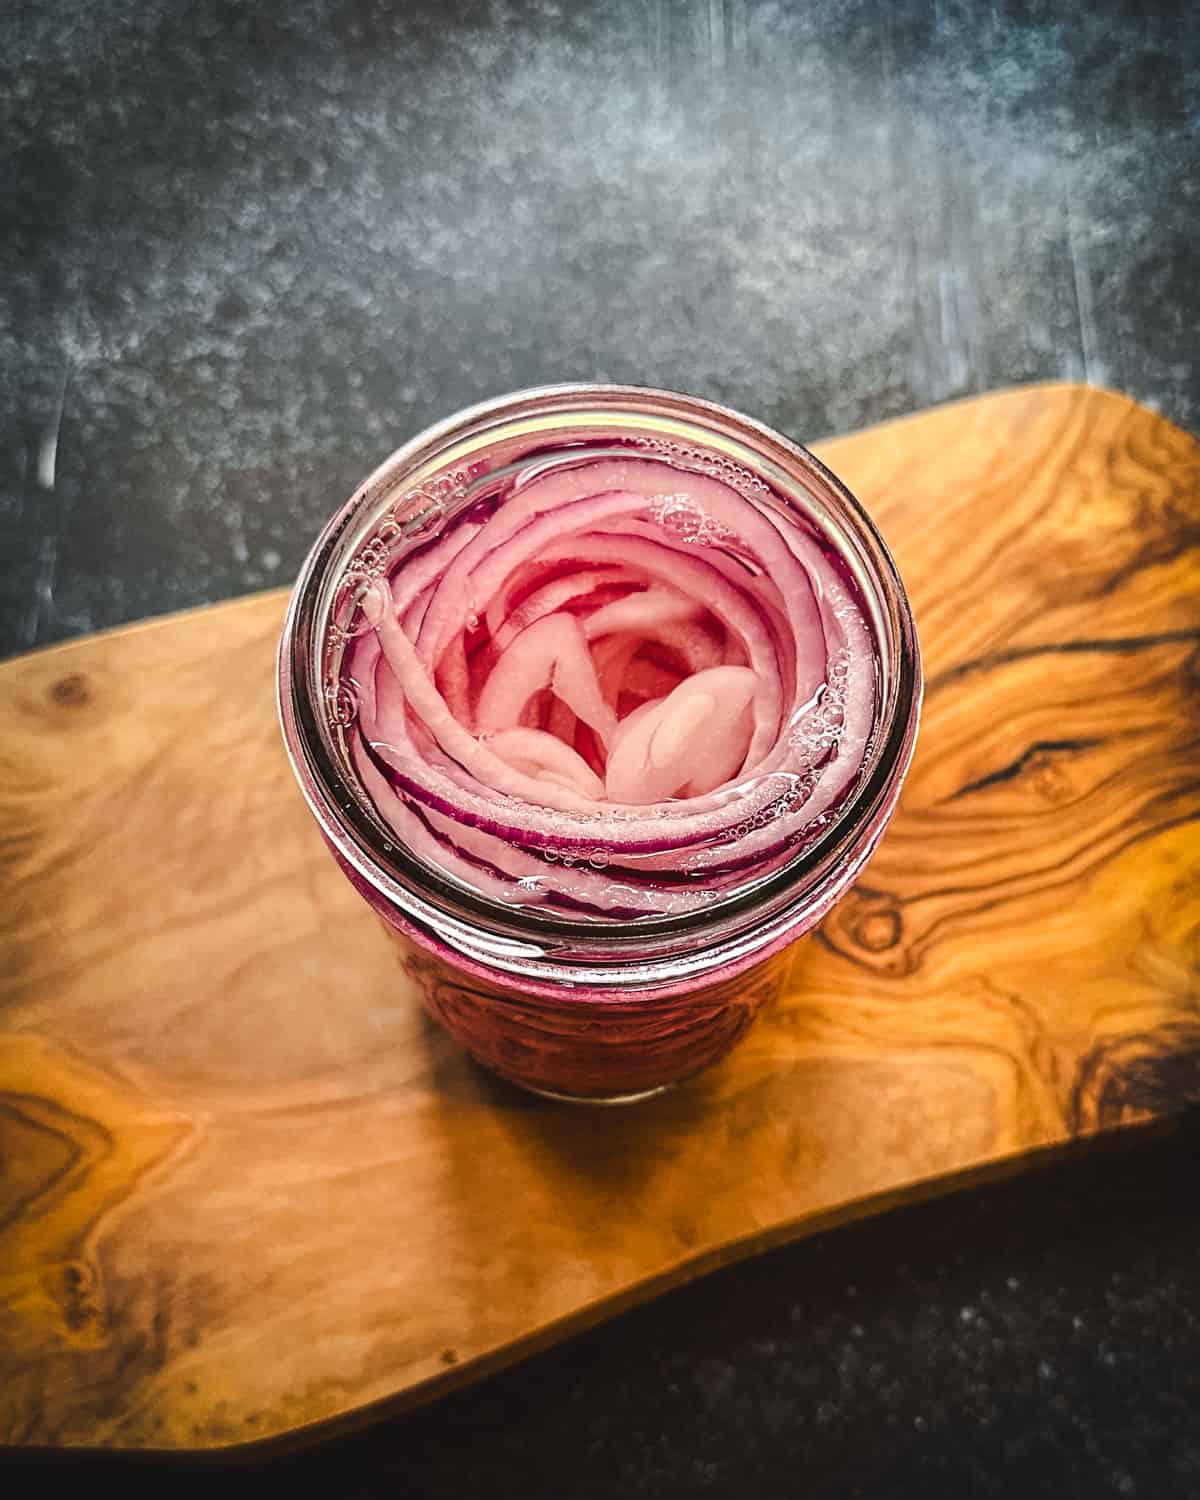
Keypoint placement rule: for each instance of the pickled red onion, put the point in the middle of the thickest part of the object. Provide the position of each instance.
(572, 701)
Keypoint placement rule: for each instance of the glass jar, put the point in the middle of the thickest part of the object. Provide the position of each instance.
(573, 1007)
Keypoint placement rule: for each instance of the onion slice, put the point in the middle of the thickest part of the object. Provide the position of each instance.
(622, 690)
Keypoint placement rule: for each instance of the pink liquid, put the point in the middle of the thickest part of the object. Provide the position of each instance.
(615, 687)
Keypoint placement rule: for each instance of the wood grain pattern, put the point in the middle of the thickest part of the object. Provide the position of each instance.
(246, 1188)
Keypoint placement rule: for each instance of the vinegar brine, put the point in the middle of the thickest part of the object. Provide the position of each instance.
(614, 686)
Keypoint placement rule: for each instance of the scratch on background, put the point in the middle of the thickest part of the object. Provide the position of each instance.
(48, 448)
(47, 561)
(716, 34)
(1085, 309)
(43, 588)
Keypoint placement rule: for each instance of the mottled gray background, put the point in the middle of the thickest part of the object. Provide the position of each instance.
(246, 249)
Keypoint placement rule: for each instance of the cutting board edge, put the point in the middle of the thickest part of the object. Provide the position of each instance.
(260, 596)
(910, 1194)
(983, 398)
(42, 654)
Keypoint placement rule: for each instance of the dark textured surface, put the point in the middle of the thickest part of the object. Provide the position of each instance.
(1036, 1338)
(245, 249)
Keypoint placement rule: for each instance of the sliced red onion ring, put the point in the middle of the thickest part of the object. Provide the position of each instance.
(623, 692)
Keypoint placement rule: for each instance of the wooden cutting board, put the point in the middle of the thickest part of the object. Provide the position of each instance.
(247, 1191)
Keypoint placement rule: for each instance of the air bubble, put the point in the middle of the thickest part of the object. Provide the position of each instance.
(373, 559)
(689, 522)
(342, 703)
(348, 618)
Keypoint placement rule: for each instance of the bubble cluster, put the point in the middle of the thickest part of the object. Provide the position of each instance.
(817, 731)
(341, 702)
(689, 522)
(794, 792)
(347, 620)
(716, 465)
(415, 512)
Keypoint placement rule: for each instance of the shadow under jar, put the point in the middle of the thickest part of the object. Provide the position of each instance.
(601, 697)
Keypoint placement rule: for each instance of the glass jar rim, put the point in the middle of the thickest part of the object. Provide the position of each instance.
(478, 928)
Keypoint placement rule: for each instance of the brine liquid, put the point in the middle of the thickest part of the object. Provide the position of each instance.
(621, 684)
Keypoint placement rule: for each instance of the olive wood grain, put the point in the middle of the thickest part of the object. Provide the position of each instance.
(247, 1190)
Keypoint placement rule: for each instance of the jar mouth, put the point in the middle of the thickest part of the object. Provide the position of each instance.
(414, 489)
